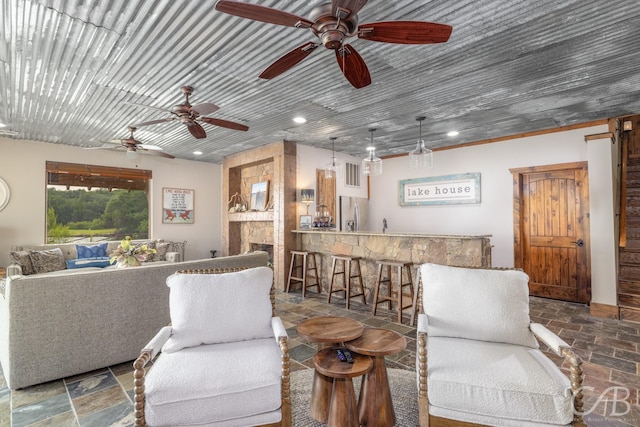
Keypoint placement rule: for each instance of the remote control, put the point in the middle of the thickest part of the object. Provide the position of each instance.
(347, 354)
(341, 355)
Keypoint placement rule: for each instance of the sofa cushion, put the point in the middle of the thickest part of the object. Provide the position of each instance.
(161, 249)
(457, 300)
(213, 383)
(92, 251)
(89, 262)
(23, 259)
(48, 260)
(219, 308)
(469, 377)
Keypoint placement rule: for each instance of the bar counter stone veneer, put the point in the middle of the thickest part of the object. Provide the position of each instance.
(465, 251)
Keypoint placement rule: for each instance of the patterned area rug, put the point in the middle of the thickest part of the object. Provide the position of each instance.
(403, 392)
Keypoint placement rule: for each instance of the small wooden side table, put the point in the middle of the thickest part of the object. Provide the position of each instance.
(343, 411)
(327, 331)
(375, 405)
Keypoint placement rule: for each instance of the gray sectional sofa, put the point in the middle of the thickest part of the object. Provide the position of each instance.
(57, 325)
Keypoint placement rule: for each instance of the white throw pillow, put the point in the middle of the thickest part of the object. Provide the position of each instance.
(219, 308)
(479, 304)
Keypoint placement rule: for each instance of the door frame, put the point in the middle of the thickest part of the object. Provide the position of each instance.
(584, 295)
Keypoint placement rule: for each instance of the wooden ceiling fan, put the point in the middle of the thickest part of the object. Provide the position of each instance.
(132, 146)
(332, 23)
(191, 115)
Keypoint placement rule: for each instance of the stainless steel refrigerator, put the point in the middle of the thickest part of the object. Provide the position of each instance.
(353, 213)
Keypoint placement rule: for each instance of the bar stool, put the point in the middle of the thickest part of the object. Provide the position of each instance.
(312, 271)
(393, 295)
(347, 277)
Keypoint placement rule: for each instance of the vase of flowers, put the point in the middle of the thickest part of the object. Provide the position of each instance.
(129, 254)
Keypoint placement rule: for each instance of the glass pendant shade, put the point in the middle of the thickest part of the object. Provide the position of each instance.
(421, 157)
(372, 165)
(332, 169)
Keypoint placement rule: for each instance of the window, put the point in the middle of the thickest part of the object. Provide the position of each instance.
(87, 202)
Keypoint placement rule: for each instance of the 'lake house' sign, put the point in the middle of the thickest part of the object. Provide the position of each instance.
(440, 190)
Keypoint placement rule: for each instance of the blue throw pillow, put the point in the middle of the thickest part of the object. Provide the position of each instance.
(92, 251)
(88, 262)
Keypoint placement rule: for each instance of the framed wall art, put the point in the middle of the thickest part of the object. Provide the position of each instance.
(305, 222)
(440, 190)
(177, 206)
(259, 195)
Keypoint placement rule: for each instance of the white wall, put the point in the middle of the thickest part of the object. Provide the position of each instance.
(494, 215)
(22, 166)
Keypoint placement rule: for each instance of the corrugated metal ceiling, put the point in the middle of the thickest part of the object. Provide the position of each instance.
(79, 72)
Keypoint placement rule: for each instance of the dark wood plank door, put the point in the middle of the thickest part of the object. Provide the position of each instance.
(551, 227)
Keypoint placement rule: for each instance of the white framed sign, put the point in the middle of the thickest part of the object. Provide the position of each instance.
(177, 206)
(440, 190)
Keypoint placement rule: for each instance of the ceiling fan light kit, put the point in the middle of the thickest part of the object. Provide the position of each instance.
(421, 157)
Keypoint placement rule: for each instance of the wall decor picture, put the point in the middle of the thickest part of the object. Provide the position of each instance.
(440, 190)
(305, 222)
(259, 195)
(177, 206)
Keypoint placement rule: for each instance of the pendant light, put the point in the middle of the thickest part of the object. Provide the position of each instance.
(421, 157)
(372, 165)
(333, 167)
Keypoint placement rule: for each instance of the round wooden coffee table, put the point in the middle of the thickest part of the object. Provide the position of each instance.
(375, 405)
(327, 331)
(343, 410)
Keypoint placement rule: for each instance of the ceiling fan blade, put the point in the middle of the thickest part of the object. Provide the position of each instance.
(156, 153)
(224, 123)
(353, 66)
(353, 6)
(205, 108)
(196, 130)
(150, 147)
(288, 61)
(154, 122)
(262, 13)
(405, 32)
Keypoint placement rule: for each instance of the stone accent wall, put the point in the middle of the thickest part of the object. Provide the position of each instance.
(253, 174)
(256, 232)
(447, 250)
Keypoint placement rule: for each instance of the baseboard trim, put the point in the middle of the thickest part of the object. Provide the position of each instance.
(604, 310)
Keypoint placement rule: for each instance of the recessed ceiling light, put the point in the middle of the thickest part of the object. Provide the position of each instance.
(299, 119)
(197, 153)
(453, 133)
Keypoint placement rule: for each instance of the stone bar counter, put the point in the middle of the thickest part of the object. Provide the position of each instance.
(468, 251)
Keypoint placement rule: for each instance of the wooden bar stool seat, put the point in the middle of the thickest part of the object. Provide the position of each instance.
(305, 267)
(396, 294)
(351, 276)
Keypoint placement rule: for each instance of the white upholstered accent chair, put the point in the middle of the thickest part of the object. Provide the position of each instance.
(224, 361)
(484, 365)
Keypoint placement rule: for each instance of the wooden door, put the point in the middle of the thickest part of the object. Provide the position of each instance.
(326, 191)
(551, 230)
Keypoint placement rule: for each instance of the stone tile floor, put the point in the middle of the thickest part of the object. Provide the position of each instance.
(609, 348)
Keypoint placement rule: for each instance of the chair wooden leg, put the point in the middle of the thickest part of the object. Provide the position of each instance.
(376, 291)
(293, 261)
